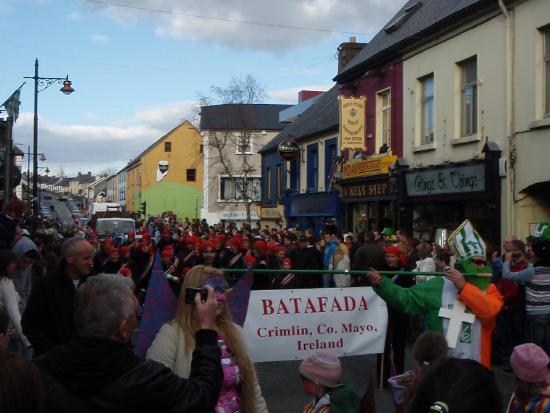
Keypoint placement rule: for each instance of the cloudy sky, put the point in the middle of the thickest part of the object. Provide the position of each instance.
(138, 65)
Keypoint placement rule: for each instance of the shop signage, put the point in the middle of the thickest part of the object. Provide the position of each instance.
(352, 122)
(238, 215)
(288, 149)
(451, 180)
(369, 190)
(293, 324)
(267, 213)
(366, 167)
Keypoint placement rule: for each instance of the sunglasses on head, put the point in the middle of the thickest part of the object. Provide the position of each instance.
(478, 261)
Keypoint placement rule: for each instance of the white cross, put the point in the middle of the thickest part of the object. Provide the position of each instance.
(457, 315)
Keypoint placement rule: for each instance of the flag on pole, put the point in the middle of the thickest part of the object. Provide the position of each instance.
(12, 104)
(159, 308)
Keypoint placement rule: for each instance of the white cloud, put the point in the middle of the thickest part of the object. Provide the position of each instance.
(92, 148)
(99, 38)
(290, 95)
(363, 16)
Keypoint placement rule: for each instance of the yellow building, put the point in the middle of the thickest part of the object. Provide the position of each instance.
(168, 175)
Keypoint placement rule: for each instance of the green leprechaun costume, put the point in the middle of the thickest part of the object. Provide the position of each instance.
(466, 317)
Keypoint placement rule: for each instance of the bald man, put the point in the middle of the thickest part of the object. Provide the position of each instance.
(48, 320)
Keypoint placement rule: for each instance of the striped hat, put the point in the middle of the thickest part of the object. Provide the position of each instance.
(466, 243)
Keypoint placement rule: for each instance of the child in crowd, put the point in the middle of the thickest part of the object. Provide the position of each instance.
(284, 280)
(532, 391)
(321, 374)
(429, 347)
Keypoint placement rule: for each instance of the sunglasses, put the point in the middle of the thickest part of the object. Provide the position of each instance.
(478, 261)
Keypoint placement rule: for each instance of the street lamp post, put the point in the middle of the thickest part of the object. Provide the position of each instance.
(40, 84)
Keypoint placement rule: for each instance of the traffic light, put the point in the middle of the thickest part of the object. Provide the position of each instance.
(144, 208)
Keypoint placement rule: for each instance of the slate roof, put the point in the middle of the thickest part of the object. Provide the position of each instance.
(320, 117)
(236, 116)
(429, 16)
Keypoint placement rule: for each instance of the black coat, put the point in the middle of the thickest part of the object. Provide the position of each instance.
(98, 375)
(48, 320)
(308, 258)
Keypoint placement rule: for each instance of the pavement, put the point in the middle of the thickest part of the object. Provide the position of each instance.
(282, 386)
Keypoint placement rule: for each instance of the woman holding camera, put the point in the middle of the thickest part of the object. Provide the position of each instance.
(174, 344)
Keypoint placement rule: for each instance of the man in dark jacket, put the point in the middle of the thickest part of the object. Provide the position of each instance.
(48, 318)
(369, 255)
(307, 257)
(97, 371)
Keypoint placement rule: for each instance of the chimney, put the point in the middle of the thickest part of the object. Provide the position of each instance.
(347, 51)
(89, 174)
(304, 95)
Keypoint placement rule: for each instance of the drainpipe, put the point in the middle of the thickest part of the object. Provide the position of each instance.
(511, 118)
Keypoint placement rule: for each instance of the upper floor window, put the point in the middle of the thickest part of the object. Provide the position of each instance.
(191, 175)
(427, 102)
(279, 181)
(546, 41)
(383, 118)
(243, 144)
(233, 189)
(313, 167)
(468, 97)
(167, 146)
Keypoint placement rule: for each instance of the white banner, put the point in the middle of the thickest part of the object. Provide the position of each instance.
(292, 324)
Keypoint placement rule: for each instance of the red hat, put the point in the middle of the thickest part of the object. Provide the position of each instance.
(166, 254)
(168, 247)
(235, 242)
(222, 237)
(125, 249)
(249, 259)
(190, 241)
(286, 261)
(126, 271)
(112, 250)
(393, 250)
(260, 245)
(206, 245)
(272, 247)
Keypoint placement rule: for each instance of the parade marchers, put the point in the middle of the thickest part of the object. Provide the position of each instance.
(83, 361)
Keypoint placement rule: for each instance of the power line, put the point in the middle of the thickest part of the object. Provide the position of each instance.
(223, 19)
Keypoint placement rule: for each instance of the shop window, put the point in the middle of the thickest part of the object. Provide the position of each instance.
(167, 146)
(383, 119)
(427, 102)
(313, 167)
(331, 153)
(546, 41)
(468, 98)
(232, 189)
(191, 175)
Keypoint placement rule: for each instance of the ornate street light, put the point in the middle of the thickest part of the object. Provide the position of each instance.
(40, 84)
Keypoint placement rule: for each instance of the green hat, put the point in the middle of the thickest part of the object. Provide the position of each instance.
(388, 231)
(542, 231)
(466, 243)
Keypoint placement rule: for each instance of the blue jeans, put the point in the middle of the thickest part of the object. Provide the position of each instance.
(538, 330)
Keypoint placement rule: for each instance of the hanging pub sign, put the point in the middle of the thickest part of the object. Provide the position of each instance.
(352, 122)
(288, 149)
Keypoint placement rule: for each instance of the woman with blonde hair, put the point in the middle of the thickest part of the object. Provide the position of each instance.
(174, 344)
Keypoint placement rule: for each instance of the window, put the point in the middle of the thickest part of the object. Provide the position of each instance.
(191, 175)
(312, 167)
(244, 144)
(269, 195)
(201, 150)
(167, 146)
(294, 184)
(383, 121)
(279, 181)
(468, 98)
(331, 153)
(233, 189)
(427, 102)
(546, 41)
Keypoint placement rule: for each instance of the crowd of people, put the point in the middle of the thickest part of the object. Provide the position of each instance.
(71, 301)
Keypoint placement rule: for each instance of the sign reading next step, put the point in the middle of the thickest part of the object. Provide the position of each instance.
(449, 180)
(371, 190)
